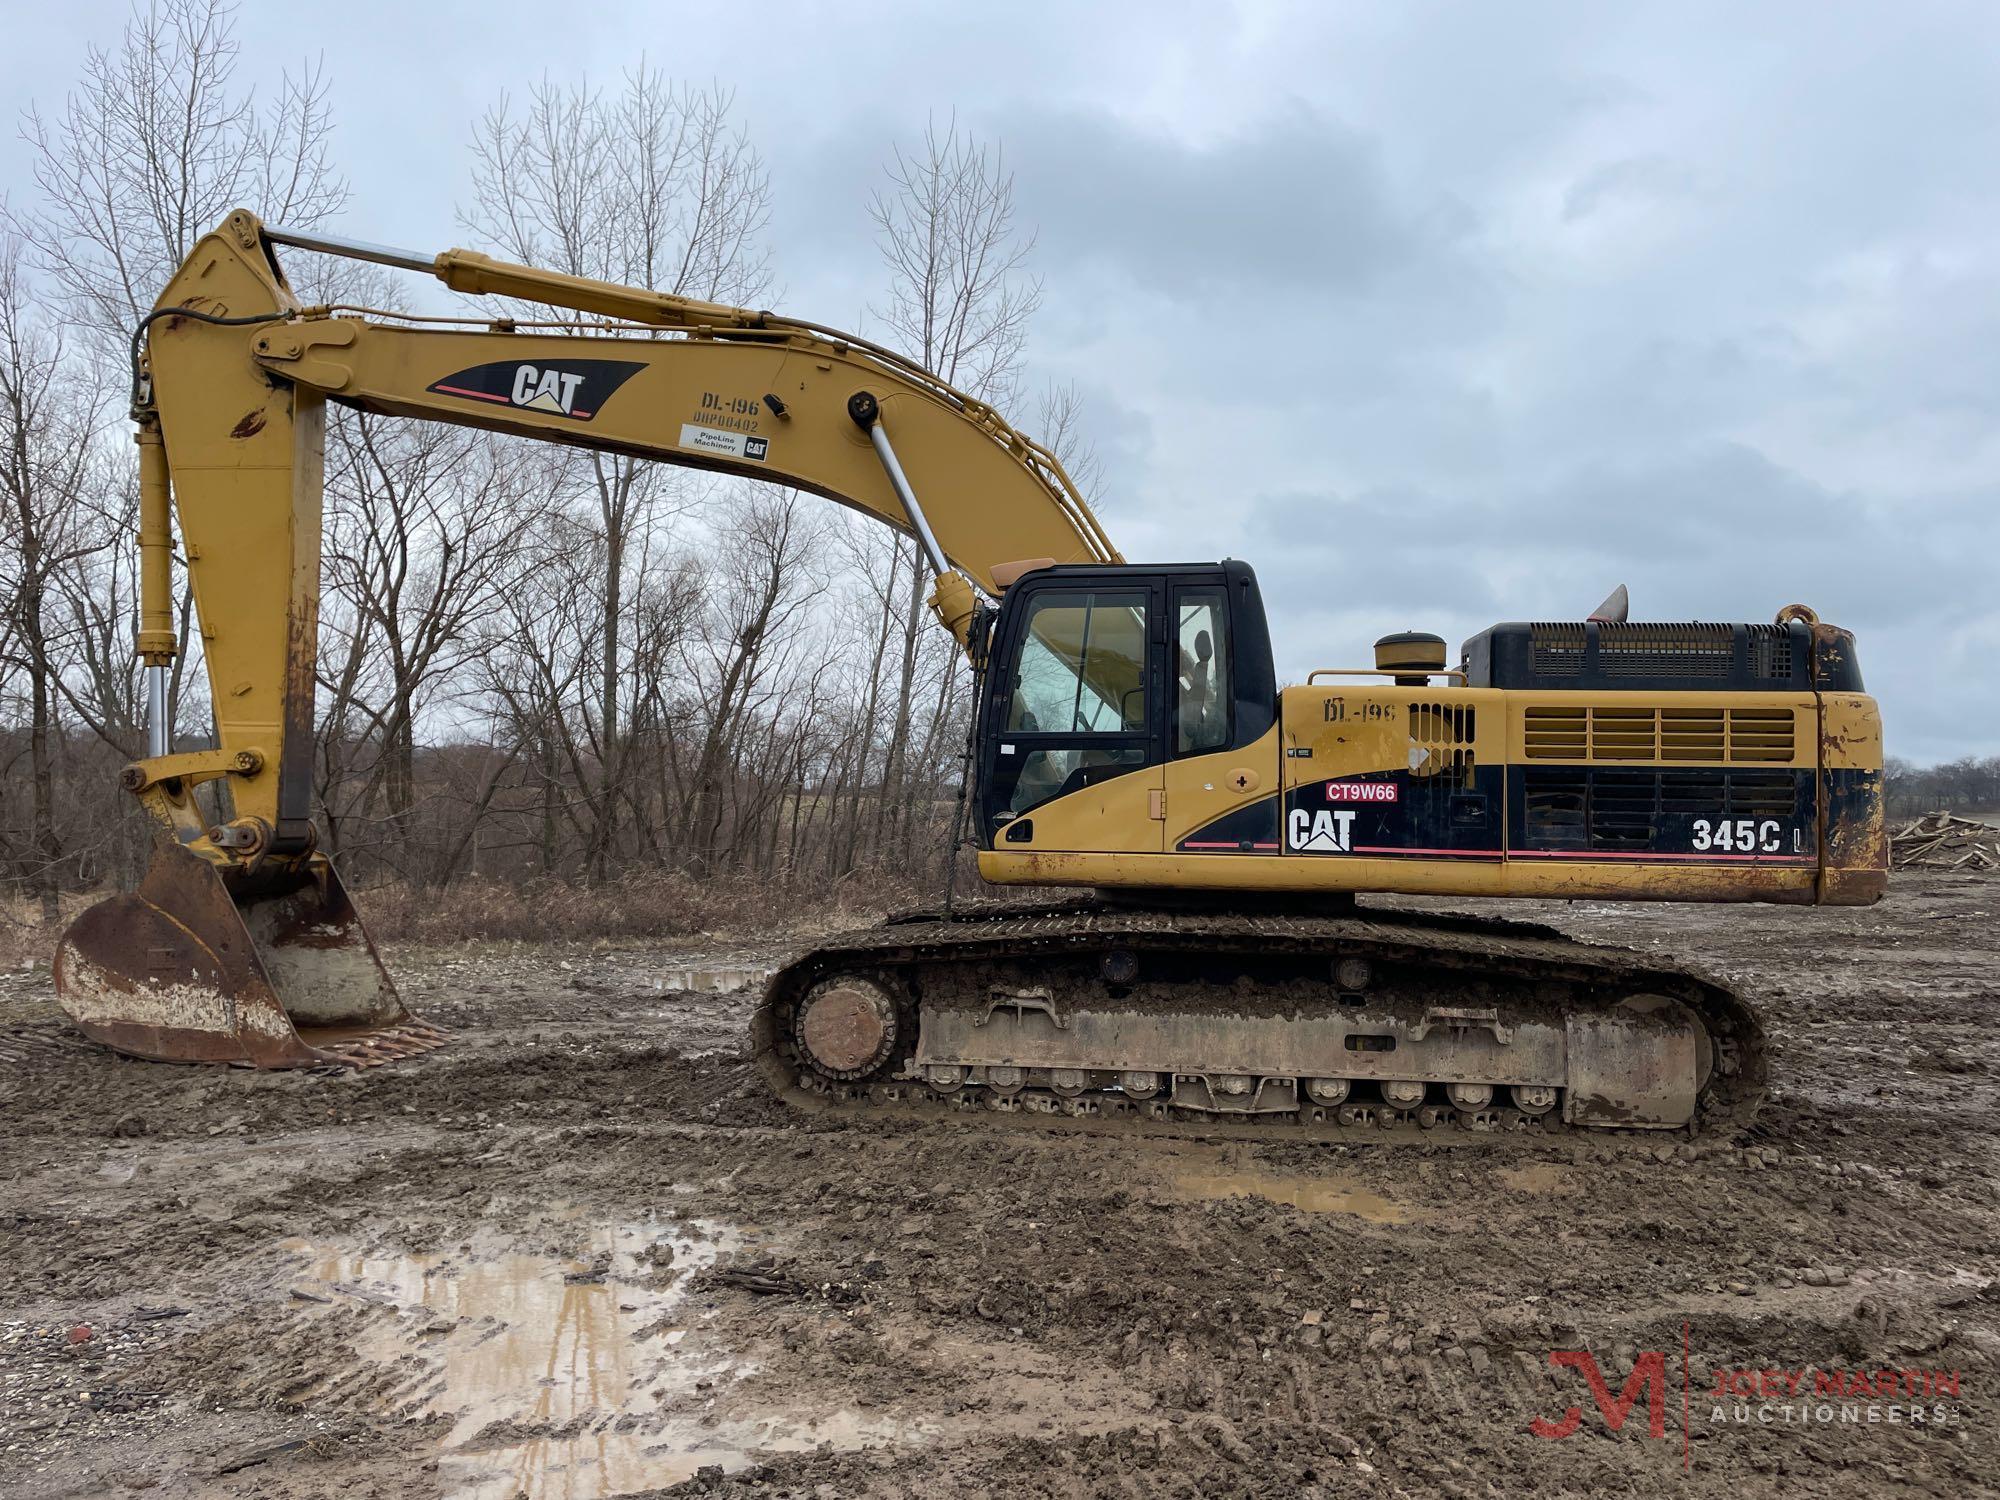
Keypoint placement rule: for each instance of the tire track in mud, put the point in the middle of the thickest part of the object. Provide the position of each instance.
(1179, 1340)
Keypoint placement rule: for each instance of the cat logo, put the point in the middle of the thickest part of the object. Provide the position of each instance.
(572, 388)
(547, 390)
(1323, 832)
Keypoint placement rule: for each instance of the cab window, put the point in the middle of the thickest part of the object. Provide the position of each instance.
(1076, 708)
(1201, 672)
(1082, 668)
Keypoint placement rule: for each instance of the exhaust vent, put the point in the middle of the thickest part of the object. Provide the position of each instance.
(1618, 656)
(1557, 650)
(1665, 650)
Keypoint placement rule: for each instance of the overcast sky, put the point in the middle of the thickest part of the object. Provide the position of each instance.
(1436, 314)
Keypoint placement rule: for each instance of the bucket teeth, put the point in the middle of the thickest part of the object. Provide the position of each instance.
(392, 1044)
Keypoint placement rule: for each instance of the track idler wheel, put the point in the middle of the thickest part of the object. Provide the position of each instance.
(846, 1027)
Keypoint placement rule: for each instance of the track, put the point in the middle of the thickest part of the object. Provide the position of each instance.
(1225, 1024)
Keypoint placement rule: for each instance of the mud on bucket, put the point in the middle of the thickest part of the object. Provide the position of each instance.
(210, 963)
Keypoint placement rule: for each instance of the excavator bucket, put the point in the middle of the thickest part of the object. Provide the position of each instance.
(206, 963)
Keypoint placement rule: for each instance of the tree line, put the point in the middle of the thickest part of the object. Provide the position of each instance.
(1969, 785)
(534, 662)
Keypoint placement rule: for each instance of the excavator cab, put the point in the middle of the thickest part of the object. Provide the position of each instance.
(1104, 673)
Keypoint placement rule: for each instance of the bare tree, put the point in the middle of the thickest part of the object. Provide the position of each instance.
(1059, 428)
(654, 185)
(1969, 784)
(154, 147)
(422, 540)
(151, 149)
(538, 659)
(960, 298)
(50, 419)
(760, 597)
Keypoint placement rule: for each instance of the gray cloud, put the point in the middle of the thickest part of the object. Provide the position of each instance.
(1720, 534)
(1634, 179)
(1295, 203)
(1437, 313)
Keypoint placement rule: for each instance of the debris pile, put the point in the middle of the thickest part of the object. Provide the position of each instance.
(1941, 841)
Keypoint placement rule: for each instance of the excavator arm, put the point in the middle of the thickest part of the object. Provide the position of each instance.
(239, 409)
(241, 934)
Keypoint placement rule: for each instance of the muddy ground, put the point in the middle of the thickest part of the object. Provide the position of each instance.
(580, 1253)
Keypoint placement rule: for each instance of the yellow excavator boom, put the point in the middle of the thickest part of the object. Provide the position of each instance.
(241, 943)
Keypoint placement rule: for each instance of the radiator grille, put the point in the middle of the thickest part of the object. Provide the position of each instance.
(1771, 652)
(1639, 652)
(1621, 809)
(1760, 734)
(1558, 733)
(1557, 649)
(1602, 733)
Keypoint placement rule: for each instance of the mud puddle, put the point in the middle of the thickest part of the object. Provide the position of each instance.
(604, 1464)
(1320, 1194)
(725, 979)
(1541, 1178)
(548, 1355)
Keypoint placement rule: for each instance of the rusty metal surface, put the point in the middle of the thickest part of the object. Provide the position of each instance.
(1721, 1041)
(1167, 1040)
(204, 963)
(847, 1026)
(1632, 1066)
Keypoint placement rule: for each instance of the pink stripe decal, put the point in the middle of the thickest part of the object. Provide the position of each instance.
(452, 390)
(1789, 861)
(1768, 859)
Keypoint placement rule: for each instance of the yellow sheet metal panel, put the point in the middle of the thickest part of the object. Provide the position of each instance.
(1850, 732)
(1571, 880)
(1362, 727)
(1202, 788)
(1855, 842)
(1114, 817)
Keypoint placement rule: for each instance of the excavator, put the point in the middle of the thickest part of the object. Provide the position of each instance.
(1210, 968)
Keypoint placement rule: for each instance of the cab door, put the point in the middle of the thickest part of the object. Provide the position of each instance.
(1072, 750)
(1222, 772)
